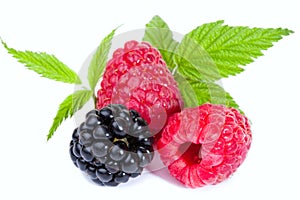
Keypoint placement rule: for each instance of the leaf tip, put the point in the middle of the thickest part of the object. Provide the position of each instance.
(3, 43)
(156, 17)
(118, 27)
(49, 136)
(285, 31)
(221, 21)
(289, 31)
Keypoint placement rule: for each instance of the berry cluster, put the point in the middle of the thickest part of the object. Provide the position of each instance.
(139, 107)
(112, 145)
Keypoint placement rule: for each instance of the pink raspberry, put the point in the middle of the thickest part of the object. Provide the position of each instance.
(204, 145)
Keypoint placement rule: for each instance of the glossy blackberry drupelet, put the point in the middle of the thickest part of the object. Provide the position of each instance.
(112, 145)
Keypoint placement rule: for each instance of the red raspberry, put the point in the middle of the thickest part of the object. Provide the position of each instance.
(138, 78)
(204, 145)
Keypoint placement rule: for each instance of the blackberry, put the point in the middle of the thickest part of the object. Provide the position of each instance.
(112, 145)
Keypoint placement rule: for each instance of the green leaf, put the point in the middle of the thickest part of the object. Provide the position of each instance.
(98, 62)
(68, 107)
(46, 65)
(196, 93)
(160, 36)
(194, 62)
(233, 47)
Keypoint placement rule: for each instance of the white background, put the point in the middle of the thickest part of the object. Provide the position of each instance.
(268, 91)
